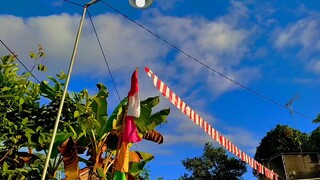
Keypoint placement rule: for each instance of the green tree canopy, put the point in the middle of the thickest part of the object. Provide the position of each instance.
(315, 138)
(315, 134)
(317, 120)
(213, 164)
(283, 139)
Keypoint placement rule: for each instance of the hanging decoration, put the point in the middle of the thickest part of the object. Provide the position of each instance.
(204, 125)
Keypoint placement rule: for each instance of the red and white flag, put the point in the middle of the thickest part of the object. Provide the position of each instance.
(130, 132)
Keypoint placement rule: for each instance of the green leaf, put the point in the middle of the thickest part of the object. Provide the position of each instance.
(29, 132)
(62, 75)
(317, 120)
(100, 105)
(5, 166)
(5, 88)
(151, 101)
(21, 101)
(103, 91)
(145, 156)
(76, 114)
(60, 138)
(46, 90)
(7, 96)
(40, 139)
(146, 123)
(101, 174)
(57, 84)
(137, 167)
(14, 70)
(32, 55)
(41, 54)
(38, 128)
(116, 116)
(25, 121)
(42, 68)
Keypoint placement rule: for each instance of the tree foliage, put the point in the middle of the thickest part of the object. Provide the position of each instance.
(315, 138)
(26, 126)
(315, 134)
(283, 139)
(317, 120)
(19, 121)
(214, 164)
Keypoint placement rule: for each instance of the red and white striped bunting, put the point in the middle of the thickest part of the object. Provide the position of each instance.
(214, 134)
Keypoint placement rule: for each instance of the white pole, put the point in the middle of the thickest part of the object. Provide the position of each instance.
(44, 172)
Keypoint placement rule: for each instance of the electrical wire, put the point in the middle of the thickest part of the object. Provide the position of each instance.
(103, 54)
(73, 3)
(186, 54)
(202, 63)
(105, 59)
(19, 61)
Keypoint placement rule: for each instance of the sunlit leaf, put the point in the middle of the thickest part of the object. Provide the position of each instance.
(32, 55)
(101, 174)
(5, 166)
(5, 88)
(60, 138)
(116, 116)
(146, 123)
(46, 90)
(42, 67)
(137, 167)
(76, 114)
(21, 101)
(99, 106)
(25, 121)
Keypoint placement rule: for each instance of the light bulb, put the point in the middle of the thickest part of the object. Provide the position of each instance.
(140, 3)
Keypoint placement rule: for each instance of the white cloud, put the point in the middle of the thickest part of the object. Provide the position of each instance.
(303, 33)
(303, 36)
(305, 81)
(314, 65)
(220, 37)
(219, 43)
(125, 45)
(242, 137)
(167, 4)
(57, 3)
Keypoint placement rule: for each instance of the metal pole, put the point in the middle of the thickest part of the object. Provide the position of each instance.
(75, 48)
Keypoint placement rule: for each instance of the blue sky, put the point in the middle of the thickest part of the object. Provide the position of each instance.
(271, 47)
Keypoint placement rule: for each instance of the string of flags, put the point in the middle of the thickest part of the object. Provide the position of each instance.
(213, 133)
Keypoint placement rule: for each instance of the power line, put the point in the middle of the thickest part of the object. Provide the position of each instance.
(74, 3)
(202, 63)
(102, 51)
(19, 60)
(104, 56)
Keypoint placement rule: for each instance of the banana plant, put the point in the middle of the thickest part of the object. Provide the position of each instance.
(86, 126)
(146, 124)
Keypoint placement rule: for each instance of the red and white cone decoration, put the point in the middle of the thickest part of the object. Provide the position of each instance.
(214, 134)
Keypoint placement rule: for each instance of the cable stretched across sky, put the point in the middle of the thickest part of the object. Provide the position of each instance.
(104, 57)
(190, 57)
(202, 63)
